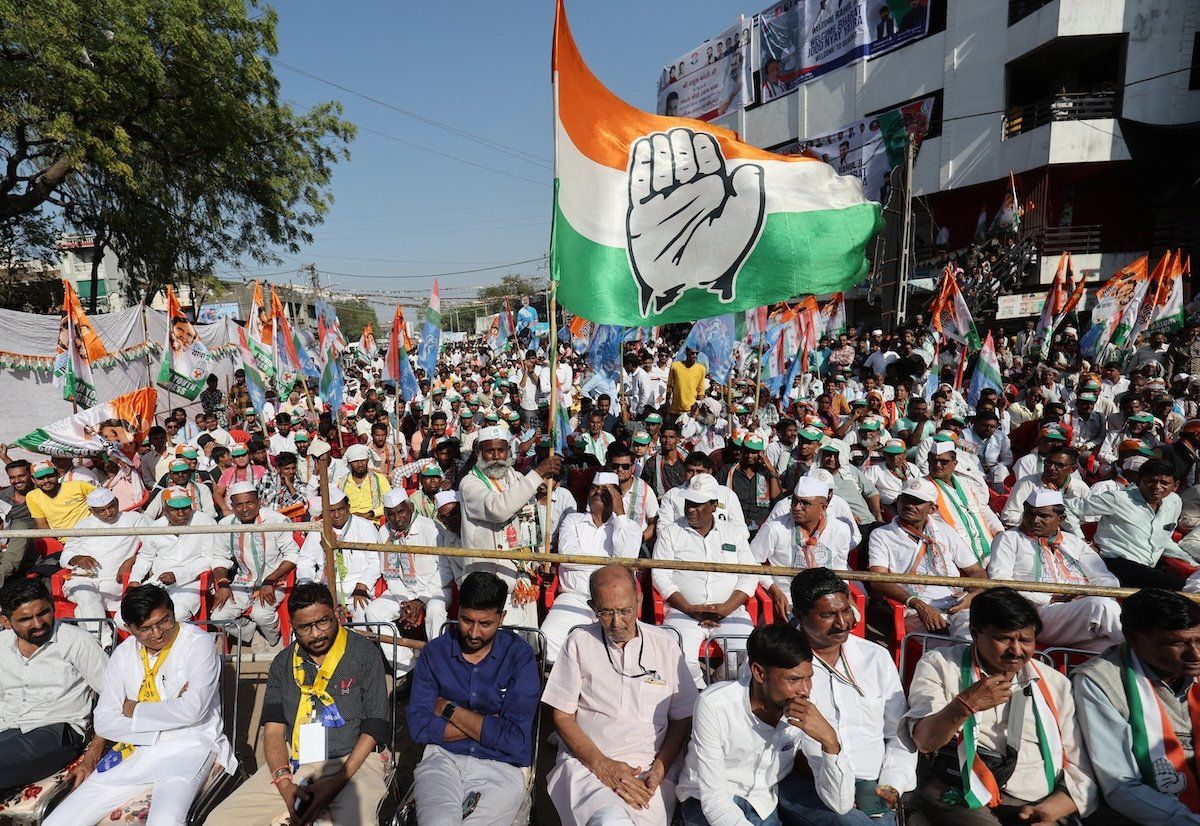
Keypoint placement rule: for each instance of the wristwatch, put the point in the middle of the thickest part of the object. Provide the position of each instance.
(448, 710)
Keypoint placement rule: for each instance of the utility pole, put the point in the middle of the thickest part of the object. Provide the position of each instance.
(904, 271)
(315, 277)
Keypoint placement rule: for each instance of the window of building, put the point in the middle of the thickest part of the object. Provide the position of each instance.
(1194, 78)
(1069, 78)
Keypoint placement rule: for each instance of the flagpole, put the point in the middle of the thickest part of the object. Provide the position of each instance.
(762, 336)
(553, 409)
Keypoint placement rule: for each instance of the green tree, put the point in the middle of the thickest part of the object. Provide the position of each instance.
(158, 124)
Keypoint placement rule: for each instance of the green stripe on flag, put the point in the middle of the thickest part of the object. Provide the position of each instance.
(812, 246)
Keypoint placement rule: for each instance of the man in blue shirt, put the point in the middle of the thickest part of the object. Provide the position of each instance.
(474, 696)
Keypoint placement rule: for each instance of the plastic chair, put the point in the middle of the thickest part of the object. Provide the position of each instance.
(913, 647)
(63, 607)
(1065, 660)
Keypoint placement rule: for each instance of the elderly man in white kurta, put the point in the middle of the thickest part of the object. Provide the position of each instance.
(603, 531)
(357, 571)
(176, 561)
(498, 512)
(96, 562)
(161, 708)
(700, 604)
(621, 698)
(916, 542)
(414, 582)
(1039, 550)
(262, 563)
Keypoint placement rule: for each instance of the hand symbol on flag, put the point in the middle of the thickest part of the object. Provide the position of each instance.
(691, 223)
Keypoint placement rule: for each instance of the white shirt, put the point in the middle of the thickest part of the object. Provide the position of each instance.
(1025, 485)
(776, 544)
(55, 684)
(725, 542)
(281, 444)
(619, 537)
(109, 551)
(186, 556)
(866, 713)
(733, 753)
(886, 481)
(362, 567)
(561, 504)
(893, 549)
(1015, 556)
(838, 509)
(413, 576)
(194, 721)
(273, 548)
(641, 503)
(995, 450)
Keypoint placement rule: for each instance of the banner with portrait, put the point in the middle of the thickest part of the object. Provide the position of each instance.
(871, 147)
(803, 39)
(712, 79)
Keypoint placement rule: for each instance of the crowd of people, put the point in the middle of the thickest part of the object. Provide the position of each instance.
(1073, 473)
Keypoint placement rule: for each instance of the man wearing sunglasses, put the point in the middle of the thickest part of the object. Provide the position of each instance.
(621, 698)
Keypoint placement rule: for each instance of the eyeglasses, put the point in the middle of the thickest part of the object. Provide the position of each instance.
(323, 624)
(607, 614)
(162, 625)
(621, 467)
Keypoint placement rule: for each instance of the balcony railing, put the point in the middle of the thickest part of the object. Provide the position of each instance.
(1091, 238)
(1063, 106)
(1018, 9)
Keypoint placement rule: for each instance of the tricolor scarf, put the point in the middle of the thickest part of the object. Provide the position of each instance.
(147, 693)
(396, 564)
(1156, 747)
(307, 710)
(761, 497)
(249, 573)
(1050, 557)
(956, 510)
(979, 786)
(809, 543)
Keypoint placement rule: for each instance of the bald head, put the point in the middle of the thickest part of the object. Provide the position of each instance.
(612, 581)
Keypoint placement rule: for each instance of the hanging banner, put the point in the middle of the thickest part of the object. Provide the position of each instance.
(803, 39)
(870, 148)
(185, 358)
(712, 79)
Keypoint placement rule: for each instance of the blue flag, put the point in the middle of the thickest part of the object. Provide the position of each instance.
(604, 354)
(331, 386)
(713, 340)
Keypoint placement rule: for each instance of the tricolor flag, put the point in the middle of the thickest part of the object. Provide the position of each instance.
(258, 324)
(1111, 301)
(253, 356)
(950, 315)
(397, 367)
(809, 323)
(78, 347)
(1169, 315)
(330, 341)
(1157, 289)
(755, 324)
(332, 385)
(287, 359)
(662, 219)
(1060, 302)
(987, 372)
(184, 358)
(431, 334)
(580, 330)
(104, 428)
(366, 341)
(834, 316)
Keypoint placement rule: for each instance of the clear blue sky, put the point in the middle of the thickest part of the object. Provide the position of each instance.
(482, 67)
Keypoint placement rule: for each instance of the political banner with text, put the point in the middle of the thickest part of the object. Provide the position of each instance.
(712, 79)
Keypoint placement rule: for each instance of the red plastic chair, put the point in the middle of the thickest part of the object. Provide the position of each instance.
(63, 607)
(285, 616)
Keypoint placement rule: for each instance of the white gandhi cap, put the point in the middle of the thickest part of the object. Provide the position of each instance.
(100, 497)
(1043, 498)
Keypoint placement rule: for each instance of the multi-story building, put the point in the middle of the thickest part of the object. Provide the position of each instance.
(1084, 102)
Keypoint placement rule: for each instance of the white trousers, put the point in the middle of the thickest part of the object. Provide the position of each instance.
(959, 623)
(569, 609)
(264, 617)
(387, 609)
(95, 597)
(1089, 623)
(737, 626)
(443, 781)
(186, 598)
(102, 792)
(580, 797)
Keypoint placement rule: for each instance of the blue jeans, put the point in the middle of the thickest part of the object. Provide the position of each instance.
(799, 805)
(693, 816)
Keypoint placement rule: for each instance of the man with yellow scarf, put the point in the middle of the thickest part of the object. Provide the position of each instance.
(161, 710)
(324, 717)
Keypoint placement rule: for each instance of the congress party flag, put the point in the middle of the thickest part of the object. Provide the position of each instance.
(287, 359)
(1169, 312)
(662, 219)
(332, 385)
(950, 315)
(713, 340)
(833, 316)
(78, 347)
(1060, 301)
(330, 341)
(431, 334)
(254, 358)
(258, 323)
(184, 358)
(397, 367)
(103, 428)
(987, 372)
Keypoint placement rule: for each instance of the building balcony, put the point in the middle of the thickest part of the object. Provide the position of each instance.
(1065, 106)
(1020, 9)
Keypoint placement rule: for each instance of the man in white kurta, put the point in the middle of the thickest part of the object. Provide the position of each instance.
(621, 697)
(916, 542)
(414, 582)
(604, 531)
(357, 571)
(176, 739)
(498, 512)
(891, 471)
(703, 605)
(176, 561)
(1058, 473)
(805, 538)
(97, 563)
(1039, 550)
(261, 564)
(961, 505)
